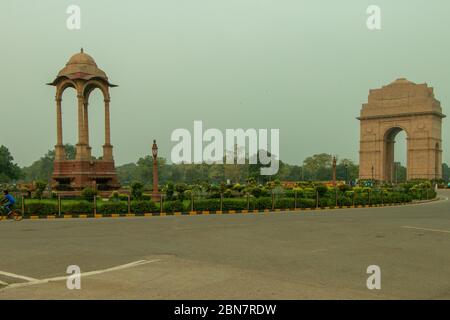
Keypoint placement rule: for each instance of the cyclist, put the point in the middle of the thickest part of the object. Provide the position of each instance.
(9, 202)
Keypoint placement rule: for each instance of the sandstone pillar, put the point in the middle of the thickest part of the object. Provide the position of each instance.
(81, 145)
(59, 148)
(107, 148)
(86, 127)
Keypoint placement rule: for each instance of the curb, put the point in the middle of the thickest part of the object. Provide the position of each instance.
(207, 212)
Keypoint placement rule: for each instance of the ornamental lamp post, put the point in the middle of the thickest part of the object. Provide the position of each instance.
(372, 176)
(346, 175)
(155, 194)
(334, 171)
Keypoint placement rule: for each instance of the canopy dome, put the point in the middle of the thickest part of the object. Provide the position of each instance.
(81, 66)
(82, 58)
(401, 81)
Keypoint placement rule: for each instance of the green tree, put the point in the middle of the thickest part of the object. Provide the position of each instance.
(347, 170)
(318, 166)
(8, 169)
(40, 188)
(445, 172)
(137, 190)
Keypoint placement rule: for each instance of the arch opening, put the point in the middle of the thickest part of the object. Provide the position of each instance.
(96, 122)
(396, 155)
(69, 114)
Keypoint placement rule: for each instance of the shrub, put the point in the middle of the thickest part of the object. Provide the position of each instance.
(326, 202)
(234, 204)
(141, 207)
(344, 187)
(180, 188)
(77, 207)
(137, 190)
(208, 204)
(112, 207)
(228, 193)
(321, 189)
(114, 196)
(40, 188)
(88, 193)
(173, 206)
(345, 201)
(306, 203)
(170, 190)
(289, 193)
(285, 203)
(261, 203)
(259, 191)
(123, 197)
(41, 208)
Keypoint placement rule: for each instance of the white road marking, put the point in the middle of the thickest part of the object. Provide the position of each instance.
(3, 283)
(426, 229)
(17, 276)
(85, 274)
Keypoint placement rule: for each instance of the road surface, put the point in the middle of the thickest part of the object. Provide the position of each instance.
(302, 255)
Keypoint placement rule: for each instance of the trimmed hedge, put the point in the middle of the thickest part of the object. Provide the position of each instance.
(346, 198)
(41, 208)
(141, 207)
(111, 207)
(79, 207)
(174, 206)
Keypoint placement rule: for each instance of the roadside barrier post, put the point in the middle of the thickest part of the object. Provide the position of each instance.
(369, 195)
(295, 200)
(23, 205)
(382, 202)
(336, 196)
(427, 193)
(273, 201)
(192, 201)
(248, 201)
(161, 202)
(59, 205)
(317, 199)
(95, 205)
(221, 202)
(129, 204)
(353, 197)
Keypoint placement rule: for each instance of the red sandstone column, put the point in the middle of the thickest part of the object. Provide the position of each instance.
(86, 127)
(59, 148)
(81, 145)
(107, 148)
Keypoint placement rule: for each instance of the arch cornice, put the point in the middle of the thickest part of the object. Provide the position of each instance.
(403, 115)
(93, 84)
(63, 85)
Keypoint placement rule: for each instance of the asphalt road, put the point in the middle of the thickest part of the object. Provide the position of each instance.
(303, 255)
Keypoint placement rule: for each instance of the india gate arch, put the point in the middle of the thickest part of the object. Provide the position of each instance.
(401, 106)
(82, 74)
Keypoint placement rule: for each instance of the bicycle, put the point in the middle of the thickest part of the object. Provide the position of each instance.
(13, 215)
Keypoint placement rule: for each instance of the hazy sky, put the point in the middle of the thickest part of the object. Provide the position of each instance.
(304, 67)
